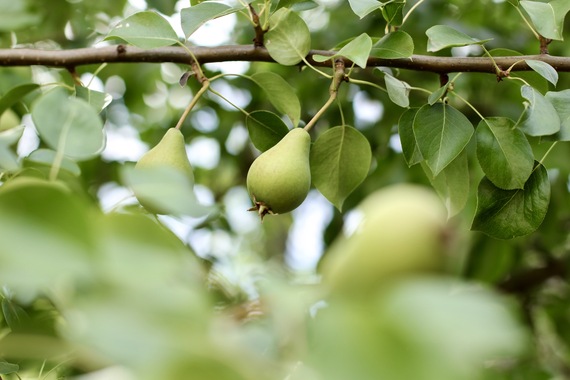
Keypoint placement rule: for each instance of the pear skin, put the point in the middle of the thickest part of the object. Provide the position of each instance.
(169, 152)
(280, 178)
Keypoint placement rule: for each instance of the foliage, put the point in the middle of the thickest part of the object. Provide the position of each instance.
(92, 285)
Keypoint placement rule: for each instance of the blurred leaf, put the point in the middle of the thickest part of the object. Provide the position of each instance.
(16, 94)
(398, 91)
(265, 129)
(69, 125)
(356, 50)
(280, 94)
(297, 5)
(288, 39)
(16, 15)
(163, 6)
(164, 190)
(561, 102)
(8, 158)
(363, 7)
(542, 118)
(410, 149)
(393, 12)
(340, 159)
(8, 368)
(98, 100)
(548, 18)
(14, 315)
(506, 214)
(48, 157)
(504, 153)
(197, 15)
(544, 69)
(145, 30)
(394, 45)
(452, 184)
(441, 133)
(443, 36)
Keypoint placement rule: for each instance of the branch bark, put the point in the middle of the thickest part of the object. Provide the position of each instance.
(130, 54)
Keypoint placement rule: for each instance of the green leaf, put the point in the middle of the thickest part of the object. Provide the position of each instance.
(9, 159)
(504, 153)
(194, 17)
(16, 94)
(98, 100)
(394, 45)
(506, 214)
(363, 7)
(356, 50)
(544, 69)
(412, 154)
(146, 30)
(288, 39)
(438, 94)
(561, 102)
(452, 184)
(441, 133)
(393, 12)
(265, 129)
(164, 190)
(69, 125)
(340, 160)
(48, 157)
(398, 91)
(14, 315)
(547, 18)
(297, 5)
(443, 36)
(8, 368)
(541, 118)
(280, 93)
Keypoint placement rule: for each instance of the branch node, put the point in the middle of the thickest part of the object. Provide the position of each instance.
(544, 42)
(121, 49)
(259, 31)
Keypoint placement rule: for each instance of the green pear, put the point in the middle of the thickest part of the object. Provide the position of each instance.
(401, 231)
(280, 178)
(169, 152)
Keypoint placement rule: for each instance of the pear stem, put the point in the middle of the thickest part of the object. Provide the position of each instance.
(338, 78)
(205, 85)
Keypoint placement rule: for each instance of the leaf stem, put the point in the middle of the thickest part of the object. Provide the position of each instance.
(229, 102)
(469, 104)
(413, 8)
(547, 152)
(338, 77)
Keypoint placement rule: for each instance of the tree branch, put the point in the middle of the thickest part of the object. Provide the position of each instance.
(249, 53)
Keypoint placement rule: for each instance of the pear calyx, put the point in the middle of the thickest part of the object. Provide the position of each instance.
(280, 178)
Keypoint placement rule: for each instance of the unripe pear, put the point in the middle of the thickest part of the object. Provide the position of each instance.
(280, 178)
(401, 231)
(169, 152)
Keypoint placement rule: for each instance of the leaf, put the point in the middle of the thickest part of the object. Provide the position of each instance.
(16, 94)
(412, 154)
(48, 157)
(265, 129)
(363, 7)
(8, 368)
(280, 93)
(297, 5)
(145, 30)
(194, 17)
(394, 45)
(398, 91)
(392, 12)
(561, 102)
(541, 118)
(438, 94)
(288, 39)
(547, 18)
(506, 214)
(452, 184)
(357, 50)
(544, 69)
(98, 100)
(441, 134)
(164, 190)
(504, 153)
(443, 36)
(14, 315)
(69, 125)
(9, 159)
(340, 160)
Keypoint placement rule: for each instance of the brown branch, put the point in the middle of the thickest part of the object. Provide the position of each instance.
(122, 53)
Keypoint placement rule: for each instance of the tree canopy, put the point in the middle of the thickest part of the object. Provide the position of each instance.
(408, 192)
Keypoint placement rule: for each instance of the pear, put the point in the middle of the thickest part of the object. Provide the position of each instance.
(169, 152)
(280, 178)
(402, 230)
